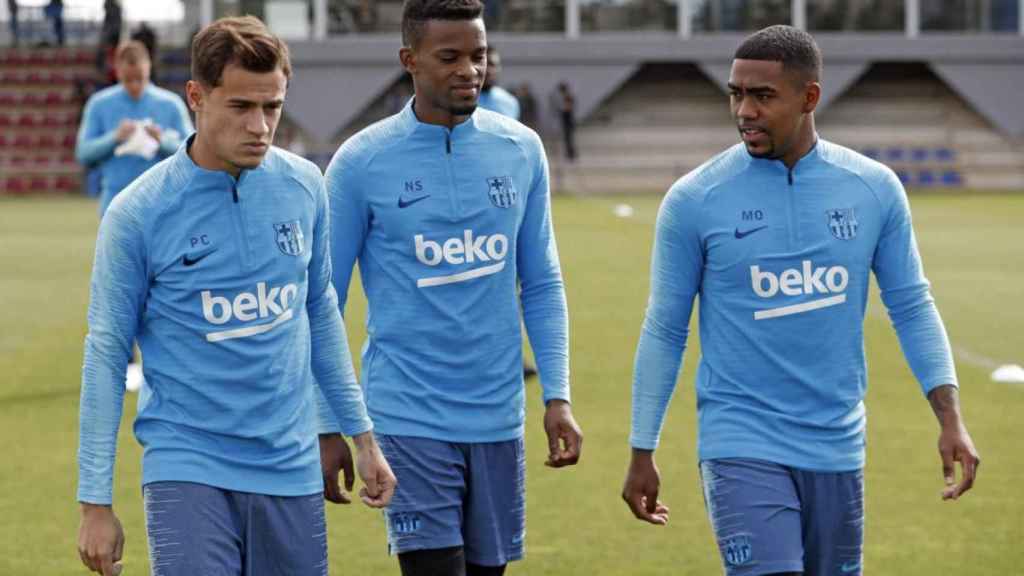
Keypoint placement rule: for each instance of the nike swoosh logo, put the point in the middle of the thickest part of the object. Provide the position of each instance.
(403, 203)
(191, 261)
(849, 567)
(746, 233)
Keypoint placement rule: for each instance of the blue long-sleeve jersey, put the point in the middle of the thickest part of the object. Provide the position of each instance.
(97, 134)
(499, 100)
(226, 284)
(781, 261)
(452, 231)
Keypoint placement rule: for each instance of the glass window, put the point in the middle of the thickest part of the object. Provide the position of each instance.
(740, 15)
(600, 15)
(969, 15)
(866, 15)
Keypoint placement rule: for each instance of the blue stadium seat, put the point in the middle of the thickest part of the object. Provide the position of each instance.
(926, 178)
(952, 178)
(904, 176)
(873, 153)
(945, 154)
(919, 155)
(895, 154)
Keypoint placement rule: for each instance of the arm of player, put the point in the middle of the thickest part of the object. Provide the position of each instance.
(118, 288)
(332, 366)
(179, 130)
(95, 144)
(545, 313)
(905, 292)
(955, 444)
(348, 224)
(677, 263)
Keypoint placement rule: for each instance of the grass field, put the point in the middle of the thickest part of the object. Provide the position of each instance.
(974, 255)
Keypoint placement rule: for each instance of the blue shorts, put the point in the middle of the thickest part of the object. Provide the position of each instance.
(198, 529)
(457, 494)
(770, 518)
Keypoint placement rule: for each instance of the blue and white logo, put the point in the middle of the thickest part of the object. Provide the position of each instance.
(842, 222)
(501, 191)
(288, 236)
(737, 550)
(404, 523)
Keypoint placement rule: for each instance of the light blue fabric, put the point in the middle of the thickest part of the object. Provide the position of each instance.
(226, 286)
(452, 231)
(781, 262)
(97, 140)
(499, 100)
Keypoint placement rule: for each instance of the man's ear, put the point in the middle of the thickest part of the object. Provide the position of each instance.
(812, 95)
(194, 95)
(407, 56)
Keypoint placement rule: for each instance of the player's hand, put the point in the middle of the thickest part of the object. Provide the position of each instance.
(154, 131)
(124, 130)
(100, 540)
(378, 479)
(335, 455)
(565, 439)
(640, 491)
(955, 445)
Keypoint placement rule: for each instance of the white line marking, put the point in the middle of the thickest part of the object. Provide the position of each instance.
(800, 308)
(249, 330)
(461, 276)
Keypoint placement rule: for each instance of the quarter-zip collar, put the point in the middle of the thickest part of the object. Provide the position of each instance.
(184, 166)
(777, 166)
(446, 136)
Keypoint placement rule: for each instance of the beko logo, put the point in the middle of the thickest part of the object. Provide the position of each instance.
(808, 280)
(467, 249)
(273, 302)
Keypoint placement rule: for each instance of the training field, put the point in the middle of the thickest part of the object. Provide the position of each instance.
(973, 250)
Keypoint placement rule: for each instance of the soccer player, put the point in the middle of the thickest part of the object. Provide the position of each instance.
(492, 96)
(446, 208)
(217, 261)
(114, 115)
(778, 236)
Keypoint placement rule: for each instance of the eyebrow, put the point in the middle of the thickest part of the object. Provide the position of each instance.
(752, 89)
(276, 101)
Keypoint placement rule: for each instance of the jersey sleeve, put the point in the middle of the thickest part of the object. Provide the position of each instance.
(340, 399)
(677, 263)
(906, 292)
(348, 223)
(540, 277)
(117, 297)
(94, 143)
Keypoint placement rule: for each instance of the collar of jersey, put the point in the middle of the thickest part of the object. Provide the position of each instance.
(185, 166)
(413, 125)
(805, 162)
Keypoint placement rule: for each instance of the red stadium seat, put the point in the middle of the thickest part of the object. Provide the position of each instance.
(55, 99)
(27, 121)
(39, 184)
(7, 99)
(5, 120)
(66, 183)
(3, 140)
(23, 142)
(16, 185)
(70, 140)
(31, 99)
(47, 140)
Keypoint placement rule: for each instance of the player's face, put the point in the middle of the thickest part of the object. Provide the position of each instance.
(493, 70)
(772, 109)
(133, 74)
(447, 67)
(236, 121)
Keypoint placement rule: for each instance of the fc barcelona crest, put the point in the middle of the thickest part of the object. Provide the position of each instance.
(500, 189)
(288, 236)
(842, 223)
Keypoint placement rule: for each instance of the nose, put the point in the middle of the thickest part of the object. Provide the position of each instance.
(256, 123)
(744, 107)
(468, 69)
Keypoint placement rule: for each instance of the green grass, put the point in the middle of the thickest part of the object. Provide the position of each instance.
(577, 523)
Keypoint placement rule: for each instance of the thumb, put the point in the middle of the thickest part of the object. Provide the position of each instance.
(947, 466)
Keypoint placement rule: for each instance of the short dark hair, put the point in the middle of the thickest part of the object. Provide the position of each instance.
(131, 52)
(243, 40)
(416, 14)
(795, 48)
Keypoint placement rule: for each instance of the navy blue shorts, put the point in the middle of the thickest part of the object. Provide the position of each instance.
(198, 529)
(457, 494)
(770, 518)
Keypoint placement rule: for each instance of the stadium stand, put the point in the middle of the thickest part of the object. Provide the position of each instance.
(39, 119)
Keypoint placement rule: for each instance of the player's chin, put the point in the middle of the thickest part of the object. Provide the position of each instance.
(251, 156)
(463, 109)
